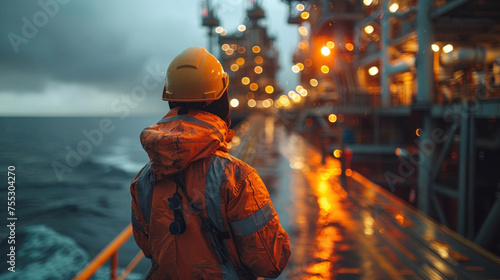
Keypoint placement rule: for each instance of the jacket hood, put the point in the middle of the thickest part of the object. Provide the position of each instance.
(178, 140)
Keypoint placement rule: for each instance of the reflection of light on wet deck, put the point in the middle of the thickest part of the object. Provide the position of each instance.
(329, 195)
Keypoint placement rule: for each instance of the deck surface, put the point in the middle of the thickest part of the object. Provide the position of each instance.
(355, 230)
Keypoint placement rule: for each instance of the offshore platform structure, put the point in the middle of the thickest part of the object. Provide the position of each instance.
(251, 60)
(419, 84)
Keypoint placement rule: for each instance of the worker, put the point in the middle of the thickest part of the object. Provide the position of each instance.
(198, 212)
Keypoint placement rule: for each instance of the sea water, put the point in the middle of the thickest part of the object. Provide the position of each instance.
(72, 192)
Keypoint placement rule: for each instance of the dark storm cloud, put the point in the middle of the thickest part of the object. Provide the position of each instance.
(98, 43)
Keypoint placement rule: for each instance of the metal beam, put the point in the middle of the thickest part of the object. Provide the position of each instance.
(437, 207)
(490, 228)
(385, 23)
(462, 174)
(471, 176)
(447, 7)
(444, 151)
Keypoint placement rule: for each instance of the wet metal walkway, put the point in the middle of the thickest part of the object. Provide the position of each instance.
(353, 231)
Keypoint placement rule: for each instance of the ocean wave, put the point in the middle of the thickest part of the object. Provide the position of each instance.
(45, 254)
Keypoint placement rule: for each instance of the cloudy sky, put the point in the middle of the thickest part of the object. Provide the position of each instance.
(69, 57)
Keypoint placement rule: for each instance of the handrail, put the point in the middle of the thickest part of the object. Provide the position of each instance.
(111, 253)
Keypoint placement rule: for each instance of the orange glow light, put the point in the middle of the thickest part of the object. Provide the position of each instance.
(349, 47)
(254, 86)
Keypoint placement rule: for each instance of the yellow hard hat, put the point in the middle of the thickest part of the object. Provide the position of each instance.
(195, 75)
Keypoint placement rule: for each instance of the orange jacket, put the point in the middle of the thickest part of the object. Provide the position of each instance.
(229, 191)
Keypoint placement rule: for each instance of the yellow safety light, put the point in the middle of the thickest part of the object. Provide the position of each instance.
(325, 69)
(245, 80)
(332, 118)
(330, 44)
(304, 15)
(337, 153)
(300, 65)
(269, 89)
(234, 67)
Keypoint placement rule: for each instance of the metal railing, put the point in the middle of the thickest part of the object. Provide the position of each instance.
(111, 253)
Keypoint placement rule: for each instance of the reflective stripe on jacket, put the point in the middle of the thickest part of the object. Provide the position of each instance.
(229, 191)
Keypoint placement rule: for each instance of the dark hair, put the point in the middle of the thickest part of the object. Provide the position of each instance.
(219, 107)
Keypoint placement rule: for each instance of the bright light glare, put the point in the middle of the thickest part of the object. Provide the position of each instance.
(330, 44)
(325, 51)
(256, 49)
(313, 82)
(269, 89)
(367, 2)
(300, 7)
(242, 28)
(257, 69)
(325, 69)
(240, 61)
(304, 15)
(435, 47)
(225, 47)
(373, 71)
(219, 29)
(393, 8)
(234, 103)
(448, 48)
(369, 29)
(295, 69)
(283, 100)
(332, 118)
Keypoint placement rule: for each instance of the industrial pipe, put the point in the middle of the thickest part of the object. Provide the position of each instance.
(479, 55)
